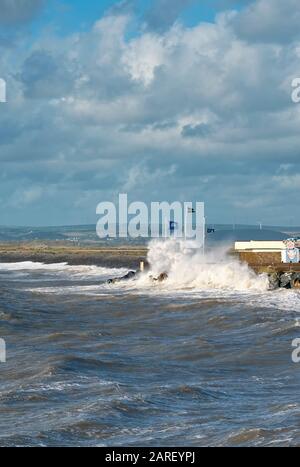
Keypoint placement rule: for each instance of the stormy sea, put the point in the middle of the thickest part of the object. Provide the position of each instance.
(203, 358)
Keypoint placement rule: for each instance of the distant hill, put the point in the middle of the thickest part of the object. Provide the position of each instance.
(17, 234)
(245, 235)
(86, 234)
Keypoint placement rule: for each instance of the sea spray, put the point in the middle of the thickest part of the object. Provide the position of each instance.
(189, 267)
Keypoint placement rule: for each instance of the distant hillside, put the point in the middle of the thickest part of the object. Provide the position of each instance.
(86, 234)
(245, 235)
(20, 235)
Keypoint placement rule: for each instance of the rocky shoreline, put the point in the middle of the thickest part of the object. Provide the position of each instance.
(284, 280)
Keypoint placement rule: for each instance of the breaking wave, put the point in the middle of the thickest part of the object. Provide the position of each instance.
(30, 265)
(187, 267)
(79, 271)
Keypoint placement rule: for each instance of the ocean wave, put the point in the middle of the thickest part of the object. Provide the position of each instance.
(188, 267)
(31, 266)
(80, 271)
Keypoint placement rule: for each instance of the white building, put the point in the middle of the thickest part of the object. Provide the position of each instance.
(289, 249)
(260, 246)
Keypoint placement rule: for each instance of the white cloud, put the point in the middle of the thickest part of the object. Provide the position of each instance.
(288, 182)
(143, 56)
(191, 112)
(21, 198)
(140, 176)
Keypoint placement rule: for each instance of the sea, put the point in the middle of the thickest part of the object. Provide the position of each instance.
(203, 358)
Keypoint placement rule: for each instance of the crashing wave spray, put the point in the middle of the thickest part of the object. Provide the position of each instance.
(188, 267)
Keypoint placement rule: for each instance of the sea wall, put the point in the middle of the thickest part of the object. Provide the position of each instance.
(108, 257)
(260, 259)
(286, 280)
(281, 275)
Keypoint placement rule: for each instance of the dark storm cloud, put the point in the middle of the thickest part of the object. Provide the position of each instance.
(274, 21)
(196, 131)
(163, 13)
(18, 11)
(44, 76)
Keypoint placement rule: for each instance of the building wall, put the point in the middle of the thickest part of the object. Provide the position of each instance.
(261, 258)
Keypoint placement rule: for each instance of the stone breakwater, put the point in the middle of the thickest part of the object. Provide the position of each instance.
(51, 253)
(281, 275)
(286, 280)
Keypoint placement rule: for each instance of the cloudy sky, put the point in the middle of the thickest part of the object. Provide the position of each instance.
(161, 99)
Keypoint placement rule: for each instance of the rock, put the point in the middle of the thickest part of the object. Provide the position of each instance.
(274, 280)
(286, 280)
(295, 282)
(127, 276)
(161, 278)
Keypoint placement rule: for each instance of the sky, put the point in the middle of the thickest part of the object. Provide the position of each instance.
(165, 100)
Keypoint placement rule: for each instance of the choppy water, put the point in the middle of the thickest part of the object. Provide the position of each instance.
(143, 364)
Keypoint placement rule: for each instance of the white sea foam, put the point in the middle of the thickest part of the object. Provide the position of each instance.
(215, 275)
(62, 268)
(92, 290)
(30, 266)
(188, 268)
